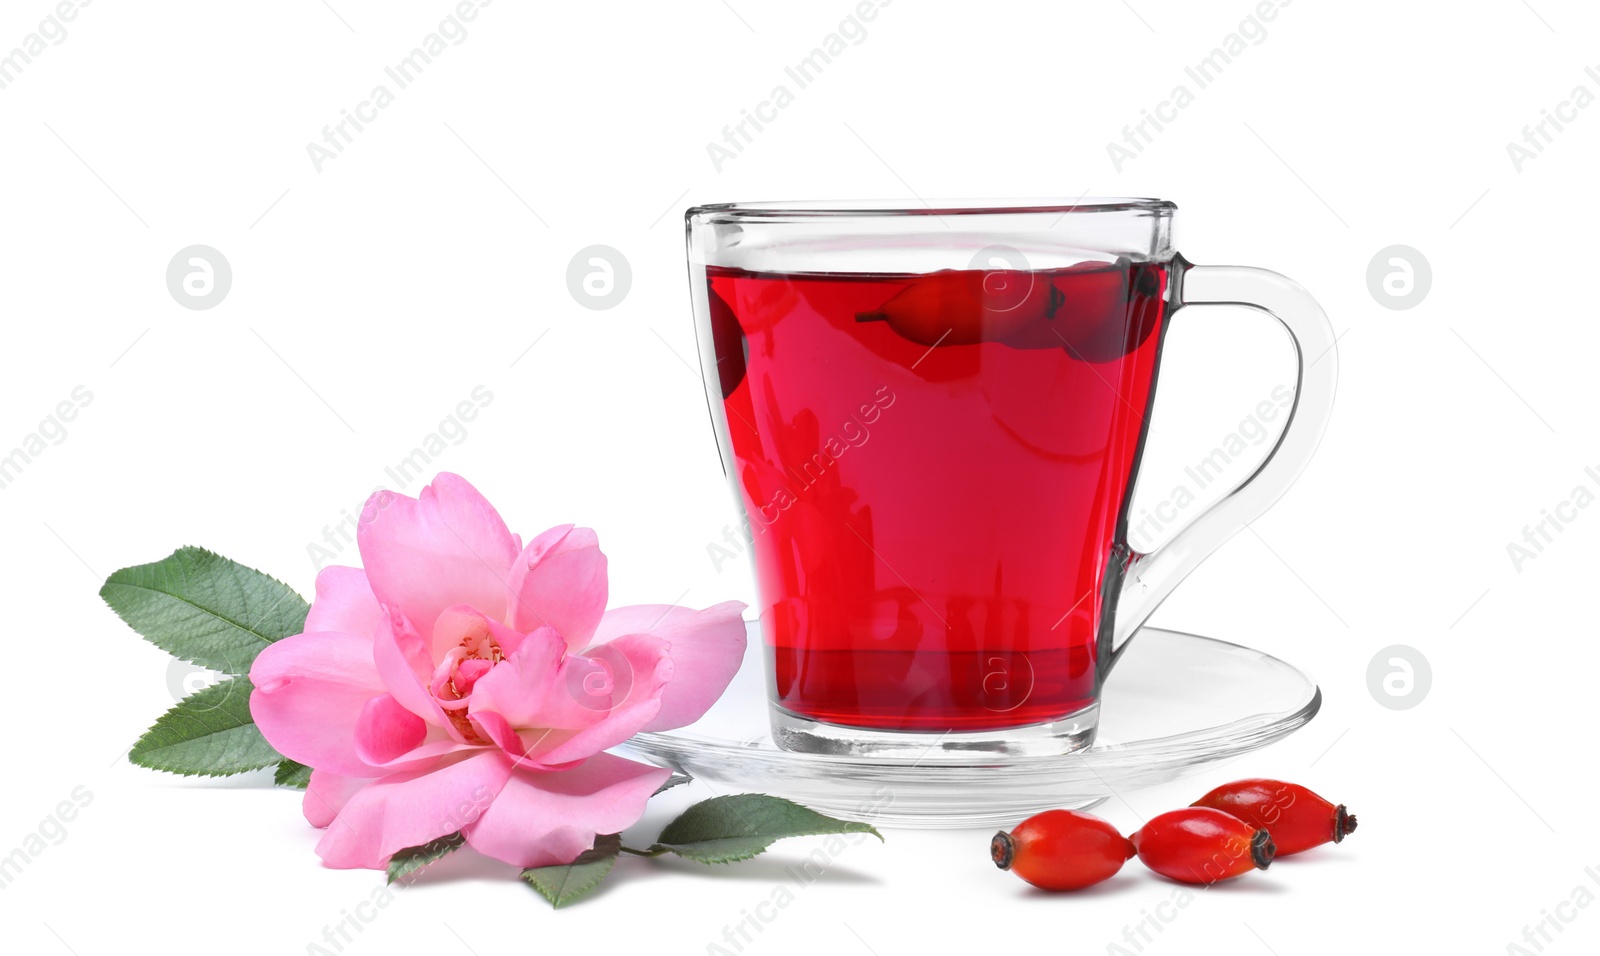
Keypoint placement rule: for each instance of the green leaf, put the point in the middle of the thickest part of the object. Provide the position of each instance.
(676, 780)
(413, 859)
(569, 883)
(739, 826)
(205, 609)
(209, 734)
(291, 774)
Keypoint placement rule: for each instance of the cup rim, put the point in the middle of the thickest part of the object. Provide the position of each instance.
(881, 208)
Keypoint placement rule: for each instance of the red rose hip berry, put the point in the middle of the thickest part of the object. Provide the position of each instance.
(1297, 818)
(1202, 845)
(1061, 850)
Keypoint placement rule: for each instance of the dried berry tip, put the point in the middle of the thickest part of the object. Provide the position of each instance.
(1262, 849)
(1001, 850)
(1344, 823)
(1057, 300)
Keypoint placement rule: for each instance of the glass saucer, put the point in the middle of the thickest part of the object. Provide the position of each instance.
(1175, 704)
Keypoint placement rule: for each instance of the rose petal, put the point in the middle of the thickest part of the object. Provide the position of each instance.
(447, 546)
(542, 819)
(519, 686)
(559, 581)
(309, 693)
(494, 728)
(426, 754)
(327, 794)
(517, 744)
(405, 665)
(707, 648)
(639, 669)
(385, 730)
(462, 624)
(344, 603)
(409, 809)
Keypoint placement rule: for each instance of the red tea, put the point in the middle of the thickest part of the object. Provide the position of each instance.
(936, 469)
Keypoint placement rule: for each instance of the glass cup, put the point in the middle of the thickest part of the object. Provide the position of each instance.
(932, 419)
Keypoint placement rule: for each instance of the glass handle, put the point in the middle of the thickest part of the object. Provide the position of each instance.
(1150, 577)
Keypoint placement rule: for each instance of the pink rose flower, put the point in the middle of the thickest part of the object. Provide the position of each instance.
(464, 681)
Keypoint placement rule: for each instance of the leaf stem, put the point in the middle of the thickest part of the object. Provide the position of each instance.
(653, 851)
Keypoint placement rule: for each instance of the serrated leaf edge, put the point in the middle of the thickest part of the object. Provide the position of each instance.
(278, 774)
(448, 844)
(609, 845)
(676, 849)
(206, 551)
(134, 756)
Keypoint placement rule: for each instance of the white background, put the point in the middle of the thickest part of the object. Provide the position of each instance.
(370, 298)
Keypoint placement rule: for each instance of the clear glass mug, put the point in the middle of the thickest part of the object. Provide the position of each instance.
(932, 419)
